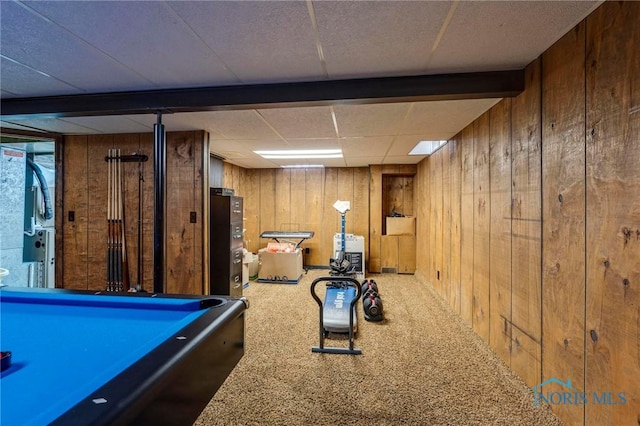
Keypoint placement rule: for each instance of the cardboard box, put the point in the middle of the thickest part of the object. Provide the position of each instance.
(285, 268)
(401, 225)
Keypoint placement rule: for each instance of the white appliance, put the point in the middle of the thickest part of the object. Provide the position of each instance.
(354, 251)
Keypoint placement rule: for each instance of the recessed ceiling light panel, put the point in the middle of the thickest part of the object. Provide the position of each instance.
(426, 147)
(300, 153)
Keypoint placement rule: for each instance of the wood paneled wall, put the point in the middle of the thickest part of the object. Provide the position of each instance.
(84, 240)
(613, 209)
(563, 200)
(391, 186)
(302, 200)
(537, 212)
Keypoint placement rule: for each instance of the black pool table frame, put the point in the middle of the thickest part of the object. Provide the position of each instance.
(173, 383)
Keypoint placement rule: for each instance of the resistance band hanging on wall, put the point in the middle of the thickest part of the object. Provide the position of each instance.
(117, 262)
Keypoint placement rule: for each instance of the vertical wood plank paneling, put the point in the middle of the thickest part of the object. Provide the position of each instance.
(305, 205)
(481, 226)
(267, 203)
(313, 219)
(613, 211)
(283, 200)
(360, 204)
(375, 217)
(526, 228)
(397, 195)
(98, 146)
(391, 197)
(423, 232)
(455, 172)
(563, 200)
(408, 196)
(345, 192)
(85, 172)
(466, 225)
(251, 205)
(406, 245)
(235, 176)
(298, 207)
(500, 236)
(181, 273)
(146, 147)
(446, 224)
(227, 176)
(432, 200)
(331, 217)
(436, 207)
(76, 199)
(199, 177)
(389, 252)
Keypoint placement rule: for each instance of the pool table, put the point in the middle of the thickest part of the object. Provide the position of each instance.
(106, 358)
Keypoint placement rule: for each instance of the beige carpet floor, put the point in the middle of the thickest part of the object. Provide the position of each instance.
(421, 366)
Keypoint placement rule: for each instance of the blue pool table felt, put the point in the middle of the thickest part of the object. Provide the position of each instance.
(66, 346)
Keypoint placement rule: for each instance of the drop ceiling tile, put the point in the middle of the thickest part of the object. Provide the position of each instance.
(253, 163)
(146, 37)
(243, 148)
(402, 145)
(56, 125)
(259, 41)
(503, 35)
(370, 120)
(321, 143)
(334, 162)
(298, 123)
(327, 162)
(17, 126)
(372, 38)
(363, 161)
(241, 124)
(21, 81)
(444, 117)
(372, 146)
(37, 42)
(110, 124)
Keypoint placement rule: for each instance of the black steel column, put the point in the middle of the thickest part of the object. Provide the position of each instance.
(159, 179)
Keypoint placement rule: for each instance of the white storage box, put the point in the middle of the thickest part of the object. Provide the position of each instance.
(354, 251)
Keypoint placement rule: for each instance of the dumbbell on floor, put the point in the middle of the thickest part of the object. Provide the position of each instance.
(368, 287)
(372, 306)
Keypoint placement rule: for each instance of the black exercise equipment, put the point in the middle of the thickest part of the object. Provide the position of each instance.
(340, 266)
(369, 287)
(336, 300)
(370, 292)
(372, 308)
(371, 302)
(367, 284)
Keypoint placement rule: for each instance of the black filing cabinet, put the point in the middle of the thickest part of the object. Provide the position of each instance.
(225, 242)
